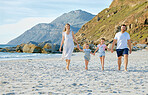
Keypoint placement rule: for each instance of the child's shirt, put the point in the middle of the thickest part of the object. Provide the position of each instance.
(87, 52)
(101, 48)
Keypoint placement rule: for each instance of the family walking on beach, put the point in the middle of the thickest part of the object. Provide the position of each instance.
(122, 38)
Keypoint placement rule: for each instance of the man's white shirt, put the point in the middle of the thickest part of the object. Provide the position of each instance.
(122, 39)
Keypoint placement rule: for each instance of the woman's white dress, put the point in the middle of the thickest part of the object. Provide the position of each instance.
(68, 45)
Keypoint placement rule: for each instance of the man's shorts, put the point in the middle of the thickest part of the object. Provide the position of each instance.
(121, 52)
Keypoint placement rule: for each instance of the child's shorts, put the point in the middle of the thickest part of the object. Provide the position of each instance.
(101, 54)
(121, 52)
(87, 58)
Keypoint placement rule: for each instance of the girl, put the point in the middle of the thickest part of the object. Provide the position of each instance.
(102, 48)
(67, 39)
(87, 52)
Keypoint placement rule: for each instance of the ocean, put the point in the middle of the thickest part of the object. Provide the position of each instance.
(3, 45)
(16, 56)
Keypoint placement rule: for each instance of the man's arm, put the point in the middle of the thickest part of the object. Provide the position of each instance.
(129, 44)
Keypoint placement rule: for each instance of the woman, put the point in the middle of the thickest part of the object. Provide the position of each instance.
(67, 39)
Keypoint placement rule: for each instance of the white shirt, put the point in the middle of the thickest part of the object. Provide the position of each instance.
(122, 40)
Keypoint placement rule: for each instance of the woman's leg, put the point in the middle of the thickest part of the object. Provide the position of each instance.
(86, 64)
(68, 63)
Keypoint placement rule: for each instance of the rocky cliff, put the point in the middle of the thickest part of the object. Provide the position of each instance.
(133, 13)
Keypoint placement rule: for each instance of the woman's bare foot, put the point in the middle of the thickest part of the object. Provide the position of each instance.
(67, 67)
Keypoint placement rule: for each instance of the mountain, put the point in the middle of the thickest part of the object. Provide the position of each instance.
(133, 13)
(52, 31)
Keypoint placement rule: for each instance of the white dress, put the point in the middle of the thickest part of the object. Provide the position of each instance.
(68, 45)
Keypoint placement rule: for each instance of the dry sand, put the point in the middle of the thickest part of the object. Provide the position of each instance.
(49, 77)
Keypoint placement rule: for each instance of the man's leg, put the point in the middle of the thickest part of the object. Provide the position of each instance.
(125, 61)
(119, 62)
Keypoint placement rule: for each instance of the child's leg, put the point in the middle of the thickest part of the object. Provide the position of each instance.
(101, 60)
(103, 57)
(86, 64)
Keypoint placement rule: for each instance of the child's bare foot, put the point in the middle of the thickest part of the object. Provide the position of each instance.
(86, 68)
(102, 68)
(125, 70)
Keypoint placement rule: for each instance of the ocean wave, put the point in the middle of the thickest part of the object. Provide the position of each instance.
(8, 56)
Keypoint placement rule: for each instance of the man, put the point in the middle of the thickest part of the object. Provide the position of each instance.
(122, 38)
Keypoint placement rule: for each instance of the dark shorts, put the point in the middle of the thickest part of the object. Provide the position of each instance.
(121, 52)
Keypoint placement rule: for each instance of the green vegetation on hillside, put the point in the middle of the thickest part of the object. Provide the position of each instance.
(106, 23)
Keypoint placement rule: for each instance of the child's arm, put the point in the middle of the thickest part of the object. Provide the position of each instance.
(96, 50)
(92, 53)
(108, 48)
(115, 40)
(79, 48)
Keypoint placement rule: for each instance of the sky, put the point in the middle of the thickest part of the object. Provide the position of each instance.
(17, 16)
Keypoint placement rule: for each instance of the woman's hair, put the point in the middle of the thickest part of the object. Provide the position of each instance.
(65, 27)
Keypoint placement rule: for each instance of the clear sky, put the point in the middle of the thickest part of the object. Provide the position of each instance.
(17, 16)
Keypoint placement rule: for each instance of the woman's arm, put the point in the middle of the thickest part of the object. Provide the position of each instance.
(79, 48)
(74, 38)
(62, 42)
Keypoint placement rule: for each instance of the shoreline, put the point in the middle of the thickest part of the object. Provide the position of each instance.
(40, 55)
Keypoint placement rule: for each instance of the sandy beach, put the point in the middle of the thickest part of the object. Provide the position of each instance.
(49, 76)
